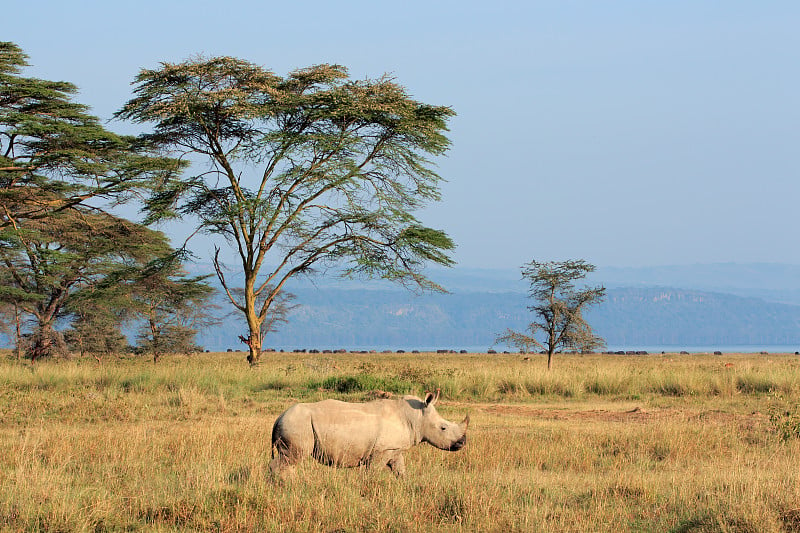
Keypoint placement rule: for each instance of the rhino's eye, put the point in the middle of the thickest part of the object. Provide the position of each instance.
(444, 428)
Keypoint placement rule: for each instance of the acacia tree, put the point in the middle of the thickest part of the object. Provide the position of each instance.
(58, 166)
(558, 309)
(305, 170)
(54, 156)
(63, 258)
(99, 310)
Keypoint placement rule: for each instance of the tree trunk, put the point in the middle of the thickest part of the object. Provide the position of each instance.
(45, 342)
(552, 344)
(18, 326)
(253, 341)
(155, 333)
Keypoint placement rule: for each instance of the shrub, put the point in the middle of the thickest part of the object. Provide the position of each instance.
(543, 387)
(750, 384)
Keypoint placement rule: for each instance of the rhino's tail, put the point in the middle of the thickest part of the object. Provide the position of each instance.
(277, 438)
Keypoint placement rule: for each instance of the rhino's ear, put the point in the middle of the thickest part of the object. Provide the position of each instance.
(431, 398)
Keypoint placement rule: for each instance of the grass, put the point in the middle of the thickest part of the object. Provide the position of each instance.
(600, 443)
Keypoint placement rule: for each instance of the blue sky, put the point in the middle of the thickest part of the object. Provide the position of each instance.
(626, 133)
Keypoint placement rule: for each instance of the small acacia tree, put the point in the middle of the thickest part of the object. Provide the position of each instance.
(11, 319)
(96, 329)
(307, 170)
(558, 309)
(173, 307)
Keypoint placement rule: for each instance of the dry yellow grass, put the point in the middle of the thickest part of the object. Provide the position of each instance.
(601, 443)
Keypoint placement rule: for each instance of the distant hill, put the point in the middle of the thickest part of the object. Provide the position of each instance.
(663, 316)
(771, 282)
(696, 305)
(731, 278)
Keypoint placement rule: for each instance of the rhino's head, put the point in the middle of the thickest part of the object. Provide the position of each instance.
(439, 432)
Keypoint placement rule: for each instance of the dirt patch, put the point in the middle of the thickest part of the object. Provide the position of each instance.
(634, 414)
(626, 415)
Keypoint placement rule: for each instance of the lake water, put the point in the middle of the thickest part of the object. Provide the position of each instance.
(711, 349)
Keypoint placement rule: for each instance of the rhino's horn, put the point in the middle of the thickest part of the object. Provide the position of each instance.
(465, 423)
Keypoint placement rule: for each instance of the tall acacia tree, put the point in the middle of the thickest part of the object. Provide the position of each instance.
(559, 309)
(303, 170)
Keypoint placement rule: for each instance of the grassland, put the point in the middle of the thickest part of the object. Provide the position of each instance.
(601, 443)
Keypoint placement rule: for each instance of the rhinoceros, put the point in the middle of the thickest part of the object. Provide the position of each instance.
(347, 434)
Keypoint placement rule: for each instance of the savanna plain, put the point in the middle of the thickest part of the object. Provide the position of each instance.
(663, 442)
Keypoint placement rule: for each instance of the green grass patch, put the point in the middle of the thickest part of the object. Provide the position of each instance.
(363, 383)
(551, 387)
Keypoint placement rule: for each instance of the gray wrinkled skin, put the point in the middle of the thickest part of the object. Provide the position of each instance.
(346, 434)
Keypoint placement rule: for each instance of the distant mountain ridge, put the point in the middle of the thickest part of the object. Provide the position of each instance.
(674, 317)
(361, 318)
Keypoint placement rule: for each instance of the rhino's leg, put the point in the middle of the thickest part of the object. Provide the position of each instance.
(282, 456)
(397, 464)
(280, 466)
